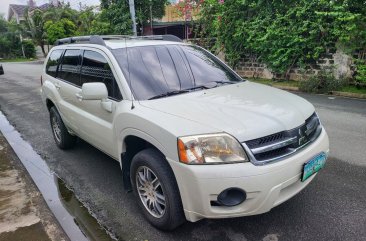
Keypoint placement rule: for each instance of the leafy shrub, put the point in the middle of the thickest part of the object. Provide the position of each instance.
(60, 29)
(283, 34)
(10, 46)
(324, 82)
(361, 73)
(29, 48)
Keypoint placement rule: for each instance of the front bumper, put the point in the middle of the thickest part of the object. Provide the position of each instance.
(266, 186)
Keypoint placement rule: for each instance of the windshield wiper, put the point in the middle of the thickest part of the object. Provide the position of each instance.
(223, 82)
(177, 92)
(209, 85)
(169, 93)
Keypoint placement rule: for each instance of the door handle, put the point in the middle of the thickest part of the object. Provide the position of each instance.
(58, 86)
(79, 96)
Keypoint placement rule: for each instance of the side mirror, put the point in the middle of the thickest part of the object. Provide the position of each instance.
(94, 91)
(1, 70)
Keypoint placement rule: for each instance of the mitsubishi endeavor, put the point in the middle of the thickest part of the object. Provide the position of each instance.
(194, 140)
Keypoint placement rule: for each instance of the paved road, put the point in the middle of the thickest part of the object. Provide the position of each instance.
(333, 207)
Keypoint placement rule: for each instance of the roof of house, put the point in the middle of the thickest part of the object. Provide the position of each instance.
(19, 9)
(44, 6)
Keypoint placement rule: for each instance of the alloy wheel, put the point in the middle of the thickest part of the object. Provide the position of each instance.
(56, 129)
(150, 191)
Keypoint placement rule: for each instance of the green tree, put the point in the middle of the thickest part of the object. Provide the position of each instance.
(29, 48)
(34, 28)
(3, 25)
(100, 26)
(62, 12)
(10, 45)
(117, 13)
(143, 8)
(60, 29)
(86, 20)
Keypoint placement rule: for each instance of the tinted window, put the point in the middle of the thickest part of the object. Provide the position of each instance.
(155, 70)
(70, 67)
(96, 69)
(53, 61)
(205, 68)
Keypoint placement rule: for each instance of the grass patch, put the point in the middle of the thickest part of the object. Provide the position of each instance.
(354, 89)
(16, 60)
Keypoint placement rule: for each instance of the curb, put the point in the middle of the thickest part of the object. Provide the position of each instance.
(348, 94)
(289, 88)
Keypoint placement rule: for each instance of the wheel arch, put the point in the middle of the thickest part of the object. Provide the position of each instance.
(133, 141)
(50, 104)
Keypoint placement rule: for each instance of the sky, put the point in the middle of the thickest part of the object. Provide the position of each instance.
(4, 4)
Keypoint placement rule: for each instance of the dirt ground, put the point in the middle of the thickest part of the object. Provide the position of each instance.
(23, 213)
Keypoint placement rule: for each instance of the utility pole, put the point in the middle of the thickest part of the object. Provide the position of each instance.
(151, 19)
(133, 17)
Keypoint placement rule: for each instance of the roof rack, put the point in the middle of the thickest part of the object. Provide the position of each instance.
(100, 39)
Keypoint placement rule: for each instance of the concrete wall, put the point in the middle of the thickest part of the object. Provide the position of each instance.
(340, 62)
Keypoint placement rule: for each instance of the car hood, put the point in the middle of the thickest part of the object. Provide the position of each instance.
(246, 110)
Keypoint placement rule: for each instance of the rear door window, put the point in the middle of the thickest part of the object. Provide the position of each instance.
(69, 69)
(53, 61)
(95, 68)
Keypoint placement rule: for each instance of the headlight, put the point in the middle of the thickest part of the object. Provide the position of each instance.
(210, 149)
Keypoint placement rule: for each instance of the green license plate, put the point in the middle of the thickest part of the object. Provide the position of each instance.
(313, 166)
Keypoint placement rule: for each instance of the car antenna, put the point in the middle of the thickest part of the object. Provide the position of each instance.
(129, 76)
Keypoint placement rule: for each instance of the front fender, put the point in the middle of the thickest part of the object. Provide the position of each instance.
(141, 134)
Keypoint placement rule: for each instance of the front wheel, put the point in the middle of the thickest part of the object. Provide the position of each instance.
(156, 189)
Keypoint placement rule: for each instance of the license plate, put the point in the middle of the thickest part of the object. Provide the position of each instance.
(313, 166)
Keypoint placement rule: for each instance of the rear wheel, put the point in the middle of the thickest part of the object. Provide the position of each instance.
(156, 189)
(63, 138)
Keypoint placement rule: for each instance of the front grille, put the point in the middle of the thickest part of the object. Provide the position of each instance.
(279, 145)
(266, 140)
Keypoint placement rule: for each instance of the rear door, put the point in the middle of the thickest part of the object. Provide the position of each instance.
(68, 85)
(95, 124)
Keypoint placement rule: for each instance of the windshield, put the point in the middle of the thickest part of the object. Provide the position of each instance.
(157, 70)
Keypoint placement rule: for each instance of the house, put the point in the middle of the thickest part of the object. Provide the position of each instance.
(16, 11)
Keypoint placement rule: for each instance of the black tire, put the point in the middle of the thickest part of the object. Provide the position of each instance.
(173, 215)
(62, 137)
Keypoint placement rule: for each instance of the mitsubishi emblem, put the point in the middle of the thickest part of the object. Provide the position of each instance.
(302, 137)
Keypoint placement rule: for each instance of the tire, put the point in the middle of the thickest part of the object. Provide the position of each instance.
(63, 139)
(170, 215)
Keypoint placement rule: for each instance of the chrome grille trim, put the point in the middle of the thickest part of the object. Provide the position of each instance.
(274, 146)
(284, 143)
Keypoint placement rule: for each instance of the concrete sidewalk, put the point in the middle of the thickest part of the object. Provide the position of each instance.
(23, 213)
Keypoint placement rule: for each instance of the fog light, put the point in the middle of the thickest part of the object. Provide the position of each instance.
(231, 197)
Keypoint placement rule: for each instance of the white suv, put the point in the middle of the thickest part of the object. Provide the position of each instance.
(194, 140)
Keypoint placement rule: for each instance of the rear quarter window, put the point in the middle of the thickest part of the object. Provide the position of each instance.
(53, 62)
